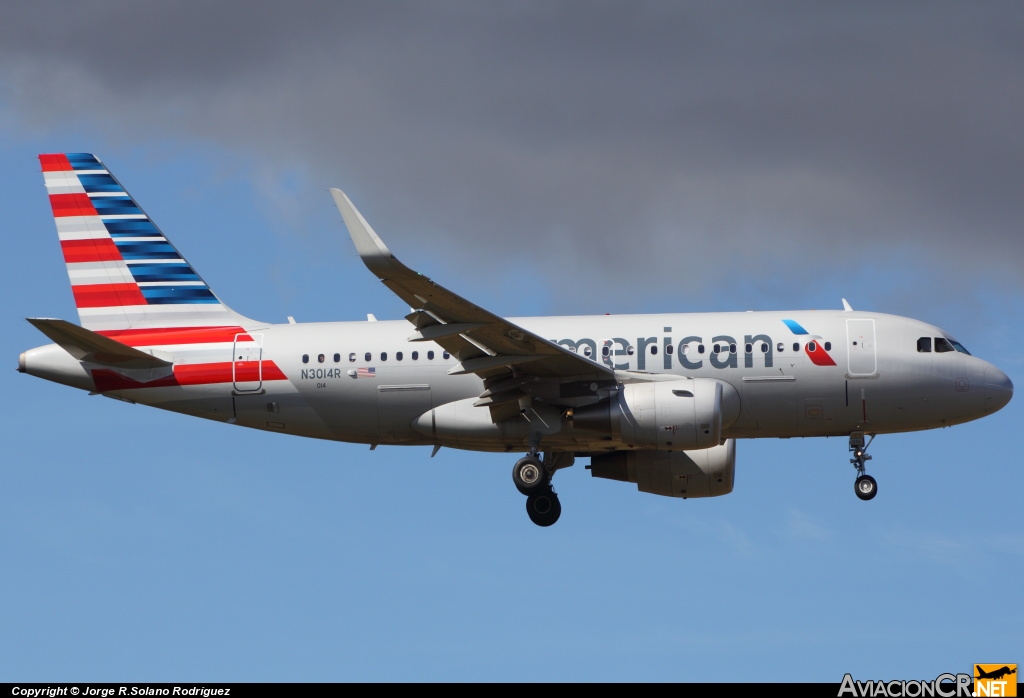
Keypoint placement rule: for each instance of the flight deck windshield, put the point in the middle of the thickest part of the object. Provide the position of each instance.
(943, 345)
(959, 347)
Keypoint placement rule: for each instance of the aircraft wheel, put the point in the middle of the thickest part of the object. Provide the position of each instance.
(866, 487)
(529, 475)
(543, 508)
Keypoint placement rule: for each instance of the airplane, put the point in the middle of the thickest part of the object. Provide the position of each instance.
(656, 400)
(995, 674)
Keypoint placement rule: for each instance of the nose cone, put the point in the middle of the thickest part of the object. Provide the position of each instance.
(998, 389)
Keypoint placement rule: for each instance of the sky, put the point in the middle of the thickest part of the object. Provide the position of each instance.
(538, 158)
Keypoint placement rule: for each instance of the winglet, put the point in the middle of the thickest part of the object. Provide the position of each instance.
(846, 306)
(374, 253)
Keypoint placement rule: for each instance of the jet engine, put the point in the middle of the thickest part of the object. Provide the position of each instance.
(675, 415)
(708, 472)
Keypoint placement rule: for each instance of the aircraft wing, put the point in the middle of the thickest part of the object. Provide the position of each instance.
(483, 343)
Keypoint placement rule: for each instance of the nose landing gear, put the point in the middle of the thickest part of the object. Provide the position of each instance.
(865, 485)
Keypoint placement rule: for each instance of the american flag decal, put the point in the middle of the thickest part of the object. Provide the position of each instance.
(366, 372)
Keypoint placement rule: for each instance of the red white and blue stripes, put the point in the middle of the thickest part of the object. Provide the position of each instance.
(124, 272)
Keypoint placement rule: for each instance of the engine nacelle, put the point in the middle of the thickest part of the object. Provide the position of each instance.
(676, 415)
(709, 472)
(460, 423)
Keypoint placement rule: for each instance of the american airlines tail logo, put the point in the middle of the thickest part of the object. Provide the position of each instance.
(814, 349)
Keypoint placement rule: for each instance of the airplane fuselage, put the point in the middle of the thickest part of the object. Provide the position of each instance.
(364, 382)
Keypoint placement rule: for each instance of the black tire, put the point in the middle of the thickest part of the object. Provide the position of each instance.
(865, 487)
(543, 508)
(529, 475)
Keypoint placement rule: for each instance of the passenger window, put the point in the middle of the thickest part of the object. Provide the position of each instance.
(445, 355)
(630, 350)
(383, 356)
(796, 346)
(732, 348)
(398, 356)
(668, 349)
(716, 349)
(700, 348)
(587, 351)
(337, 358)
(924, 345)
(828, 346)
(812, 346)
(604, 351)
(764, 347)
(430, 355)
(366, 357)
(942, 345)
(352, 356)
(320, 358)
(415, 355)
(305, 358)
(780, 347)
(749, 348)
(654, 349)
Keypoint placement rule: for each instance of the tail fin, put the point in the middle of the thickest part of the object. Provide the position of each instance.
(124, 272)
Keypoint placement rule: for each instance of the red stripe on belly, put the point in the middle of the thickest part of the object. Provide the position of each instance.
(187, 374)
(177, 335)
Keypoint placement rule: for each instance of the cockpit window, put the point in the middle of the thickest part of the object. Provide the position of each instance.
(942, 345)
(959, 347)
(924, 344)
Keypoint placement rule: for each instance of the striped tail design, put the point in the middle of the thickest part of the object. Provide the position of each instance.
(124, 272)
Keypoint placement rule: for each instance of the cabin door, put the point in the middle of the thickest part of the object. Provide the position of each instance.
(247, 363)
(860, 345)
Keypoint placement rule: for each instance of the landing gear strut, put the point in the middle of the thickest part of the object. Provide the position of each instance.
(532, 477)
(865, 485)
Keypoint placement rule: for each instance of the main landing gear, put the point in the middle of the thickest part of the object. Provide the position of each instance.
(532, 477)
(865, 485)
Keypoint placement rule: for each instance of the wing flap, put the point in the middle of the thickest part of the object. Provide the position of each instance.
(438, 331)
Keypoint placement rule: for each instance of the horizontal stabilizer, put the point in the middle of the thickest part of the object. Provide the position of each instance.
(86, 345)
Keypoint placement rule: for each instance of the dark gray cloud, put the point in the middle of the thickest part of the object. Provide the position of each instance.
(641, 140)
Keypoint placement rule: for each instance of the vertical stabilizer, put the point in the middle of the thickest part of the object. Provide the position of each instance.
(124, 272)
